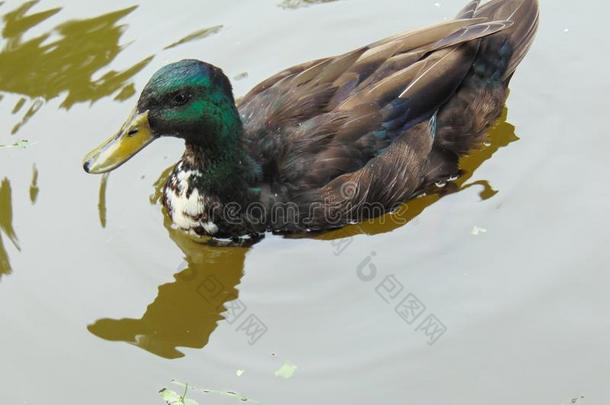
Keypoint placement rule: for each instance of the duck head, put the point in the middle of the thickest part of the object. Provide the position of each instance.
(189, 99)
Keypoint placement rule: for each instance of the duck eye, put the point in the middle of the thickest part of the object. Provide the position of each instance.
(180, 99)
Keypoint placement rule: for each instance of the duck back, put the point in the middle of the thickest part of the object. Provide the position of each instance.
(349, 137)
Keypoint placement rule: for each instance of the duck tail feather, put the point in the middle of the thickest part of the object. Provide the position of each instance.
(514, 42)
(471, 33)
(469, 10)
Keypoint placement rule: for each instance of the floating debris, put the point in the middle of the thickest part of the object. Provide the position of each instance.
(286, 371)
(173, 396)
(240, 76)
(294, 4)
(239, 372)
(477, 230)
(200, 34)
(20, 144)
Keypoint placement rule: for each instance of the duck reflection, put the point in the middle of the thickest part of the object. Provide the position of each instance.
(186, 311)
(6, 225)
(62, 60)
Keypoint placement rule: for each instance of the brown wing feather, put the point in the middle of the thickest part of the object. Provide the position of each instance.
(383, 183)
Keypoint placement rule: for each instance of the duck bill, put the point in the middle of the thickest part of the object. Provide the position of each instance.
(134, 135)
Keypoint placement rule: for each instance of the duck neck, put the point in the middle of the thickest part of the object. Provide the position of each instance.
(225, 168)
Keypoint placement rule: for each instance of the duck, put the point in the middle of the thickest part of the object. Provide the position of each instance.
(332, 141)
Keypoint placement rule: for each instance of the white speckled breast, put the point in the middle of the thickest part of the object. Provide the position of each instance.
(187, 211)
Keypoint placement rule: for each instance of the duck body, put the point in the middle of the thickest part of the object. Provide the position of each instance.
(339, 139)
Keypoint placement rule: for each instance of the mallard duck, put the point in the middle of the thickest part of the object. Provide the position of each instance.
(331, 141)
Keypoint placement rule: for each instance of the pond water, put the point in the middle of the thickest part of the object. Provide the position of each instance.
(102, 302)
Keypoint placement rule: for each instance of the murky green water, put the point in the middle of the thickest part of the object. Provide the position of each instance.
(102, 302)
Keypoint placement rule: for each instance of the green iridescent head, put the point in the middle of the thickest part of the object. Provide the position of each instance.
(189, 99)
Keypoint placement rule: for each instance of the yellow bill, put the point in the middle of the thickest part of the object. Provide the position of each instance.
(134, 135)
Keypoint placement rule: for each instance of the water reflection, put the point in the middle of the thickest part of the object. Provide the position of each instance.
(6, 225)
(101, 205)
(199, 34)
(18, 105)
(186, 311)
(34, 189)
(62, 60)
